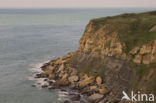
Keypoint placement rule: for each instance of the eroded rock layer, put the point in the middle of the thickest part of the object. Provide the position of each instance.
(115, 54)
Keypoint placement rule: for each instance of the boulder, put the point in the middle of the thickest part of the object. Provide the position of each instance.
(58, 61)
(61, 68)
(93, 88)
(134, 51)
(147, 59)
(103, 90)
(87, 80)
(99, 80)
(49, 69)
(65, 57)
(85, 76)
(61, 83)
(76, 97)
(73, 86)
(73, 78)
(52, 76)
(146, 49)
(137, 59)
(94, 97)
(74, 72)
(65, 76)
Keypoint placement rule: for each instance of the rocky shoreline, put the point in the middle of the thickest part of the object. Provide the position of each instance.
(60, 75)
(109, 60)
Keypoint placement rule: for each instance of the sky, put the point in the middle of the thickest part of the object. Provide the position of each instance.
(75, 3)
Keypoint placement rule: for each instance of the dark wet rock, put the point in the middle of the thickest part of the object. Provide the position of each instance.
(38, 83)
(38, 76)
(63, 90)
(67, 101)
(51, 82)
(44, 66)
(46, 79)
(73, 86)
(33, 85)
(44, 86)
(87, 93)
(76, 97)
(70, 94)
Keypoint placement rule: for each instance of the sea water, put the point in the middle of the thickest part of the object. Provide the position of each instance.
(30, 37)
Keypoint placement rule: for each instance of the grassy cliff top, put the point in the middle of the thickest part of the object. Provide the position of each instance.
(133, 29)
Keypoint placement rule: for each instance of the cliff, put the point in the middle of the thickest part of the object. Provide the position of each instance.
(127, 36)
(119, 52)
(122, 50)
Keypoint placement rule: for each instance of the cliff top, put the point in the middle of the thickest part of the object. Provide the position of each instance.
(133, 29)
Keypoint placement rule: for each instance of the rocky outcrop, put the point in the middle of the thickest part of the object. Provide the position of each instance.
(109, 38)
(100, 42)
(94, 97)
(153, 29)
(145, 54)
(91, 86)
(121, 50)
(99, 80)
(86, 81)
(115, 54)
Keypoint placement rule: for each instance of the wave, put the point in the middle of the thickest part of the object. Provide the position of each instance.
(36, 69)
(44, 82)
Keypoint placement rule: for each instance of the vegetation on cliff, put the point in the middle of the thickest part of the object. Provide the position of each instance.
(116, 52)
(122, 50)
(133, 29)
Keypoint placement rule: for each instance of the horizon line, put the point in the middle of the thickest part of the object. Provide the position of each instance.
(71, 7)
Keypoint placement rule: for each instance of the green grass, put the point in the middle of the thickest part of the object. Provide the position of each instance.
(93, 67)
(133, 29)
(132, 41)
(89, 65)
(142, 69)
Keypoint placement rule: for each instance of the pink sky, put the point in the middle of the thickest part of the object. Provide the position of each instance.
(75, 3)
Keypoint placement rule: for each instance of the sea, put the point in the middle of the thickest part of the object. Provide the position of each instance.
(31, 37)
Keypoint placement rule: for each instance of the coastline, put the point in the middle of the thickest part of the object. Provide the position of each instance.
(80, 88)
(66, 94)
(106, 64)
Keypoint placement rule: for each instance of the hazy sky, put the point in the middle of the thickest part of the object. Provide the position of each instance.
(75, 3)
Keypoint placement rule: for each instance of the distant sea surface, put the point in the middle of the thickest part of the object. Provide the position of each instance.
(29, 37)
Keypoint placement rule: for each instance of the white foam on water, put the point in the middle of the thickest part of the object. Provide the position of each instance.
(61, 92)
(60, 99)
(31, 78)
(37, 68)
(52, 81)
(63, 96)
(41, 82)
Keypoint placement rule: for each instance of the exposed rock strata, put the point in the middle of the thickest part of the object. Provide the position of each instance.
(103, 66)
(102, 43)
